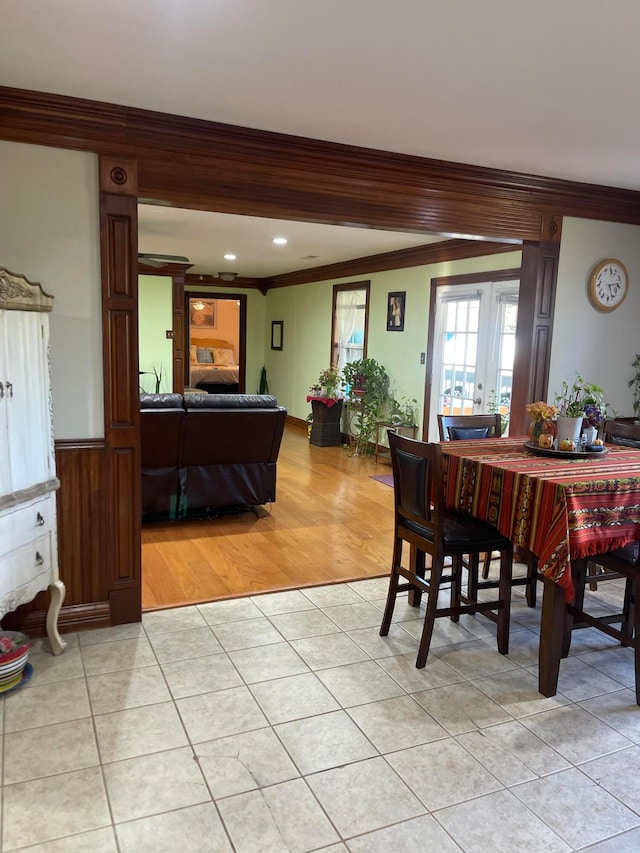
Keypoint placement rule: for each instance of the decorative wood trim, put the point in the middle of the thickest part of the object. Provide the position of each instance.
(118, 176)
(195, 163)
(17, 293)
(24, 495)
(202, 279)
(118, 234)
(77, 617)
(534, 330)
(467, 278)
(435, 253)
(180, 353)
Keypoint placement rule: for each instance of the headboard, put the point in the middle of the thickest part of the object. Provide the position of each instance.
(209, 342)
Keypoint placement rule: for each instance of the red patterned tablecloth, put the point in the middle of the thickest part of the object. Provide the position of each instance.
(557, 508)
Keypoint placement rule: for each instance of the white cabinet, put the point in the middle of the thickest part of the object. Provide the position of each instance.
(28, 542)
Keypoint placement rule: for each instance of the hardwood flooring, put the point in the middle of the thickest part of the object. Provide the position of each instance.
(330, 522)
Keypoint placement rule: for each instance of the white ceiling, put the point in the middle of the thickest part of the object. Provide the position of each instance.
(205, 238)
(536, 86)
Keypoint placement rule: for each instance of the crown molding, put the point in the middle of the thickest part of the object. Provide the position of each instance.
(195, 163)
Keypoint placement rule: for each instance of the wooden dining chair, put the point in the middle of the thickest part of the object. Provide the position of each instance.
(628, 435)
(423, 522)
(623, 562)
(467, 427)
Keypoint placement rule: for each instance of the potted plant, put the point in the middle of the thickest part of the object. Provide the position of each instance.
(367, 388)
(326, 403)
(403, 412)
(581, 404)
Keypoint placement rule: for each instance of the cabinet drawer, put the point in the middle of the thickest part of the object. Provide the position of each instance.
(26, 565)
(20, 525)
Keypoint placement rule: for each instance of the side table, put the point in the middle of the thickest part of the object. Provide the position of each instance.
(327, 413)
(410, 430)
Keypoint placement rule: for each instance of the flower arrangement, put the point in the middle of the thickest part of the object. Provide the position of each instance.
(540, 411)
(592, 416)
(327, 384)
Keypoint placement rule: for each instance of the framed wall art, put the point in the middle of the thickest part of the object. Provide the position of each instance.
(395, 311)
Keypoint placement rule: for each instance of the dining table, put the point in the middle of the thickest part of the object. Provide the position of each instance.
(558, 507)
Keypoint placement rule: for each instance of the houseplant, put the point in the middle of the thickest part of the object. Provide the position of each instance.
(403, 412)
(326, 403)
(367, 388)
(634, 383)
(581, 404)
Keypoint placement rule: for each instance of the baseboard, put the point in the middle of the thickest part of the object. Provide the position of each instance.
(75, 617)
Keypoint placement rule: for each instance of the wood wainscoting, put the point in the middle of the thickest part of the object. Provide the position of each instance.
(82, 545)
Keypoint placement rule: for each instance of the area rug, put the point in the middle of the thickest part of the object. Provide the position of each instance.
(387, 479)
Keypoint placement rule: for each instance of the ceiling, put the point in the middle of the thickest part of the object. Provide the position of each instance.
(539, 87)
(205, 238)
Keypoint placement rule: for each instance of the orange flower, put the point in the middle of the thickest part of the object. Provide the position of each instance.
(540, 411)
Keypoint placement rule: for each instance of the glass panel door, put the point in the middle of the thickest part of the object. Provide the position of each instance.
(473, 350)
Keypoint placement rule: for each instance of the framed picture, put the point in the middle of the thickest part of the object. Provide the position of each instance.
(202, 313)
(395, 311)
(277, 334)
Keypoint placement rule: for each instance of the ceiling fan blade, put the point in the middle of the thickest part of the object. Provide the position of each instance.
(151, 262)
(159, 256)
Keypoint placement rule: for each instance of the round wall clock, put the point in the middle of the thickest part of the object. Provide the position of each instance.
(608, 284)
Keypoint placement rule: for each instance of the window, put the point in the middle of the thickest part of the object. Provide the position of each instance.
(349, 324)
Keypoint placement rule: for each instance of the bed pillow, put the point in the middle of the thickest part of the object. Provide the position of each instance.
(193, 356)
(204, 355)
(222, 355)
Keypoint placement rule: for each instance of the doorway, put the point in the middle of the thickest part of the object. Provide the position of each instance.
(216, 340)
(472, 341)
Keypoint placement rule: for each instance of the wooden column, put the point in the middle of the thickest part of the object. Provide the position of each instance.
(119, 246)
(538, 279)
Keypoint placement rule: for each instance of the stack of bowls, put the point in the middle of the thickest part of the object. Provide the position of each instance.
(13, 659)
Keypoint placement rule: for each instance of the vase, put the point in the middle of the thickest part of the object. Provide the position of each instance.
(535, 431)
(569, 428)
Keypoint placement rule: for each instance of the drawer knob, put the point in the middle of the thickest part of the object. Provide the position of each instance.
(39, 558)
(39, 520)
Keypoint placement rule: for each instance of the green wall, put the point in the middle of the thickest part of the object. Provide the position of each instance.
(306, 312)
(155, 316)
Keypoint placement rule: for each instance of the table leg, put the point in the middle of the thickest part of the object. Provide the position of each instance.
(417, 565)
(552, 630)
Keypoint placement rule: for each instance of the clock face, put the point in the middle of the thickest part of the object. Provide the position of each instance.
(608, 285)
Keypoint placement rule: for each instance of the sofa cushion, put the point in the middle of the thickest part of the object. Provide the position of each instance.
(231, 401)
(161, 401)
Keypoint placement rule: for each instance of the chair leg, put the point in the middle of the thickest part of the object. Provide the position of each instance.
(504, 594)
(418, 566)
(430, 615)
(393, 589)
(636, 640)
(592, 575)
(532, 579)
(628, 611)
(486, 565)
(472, 576)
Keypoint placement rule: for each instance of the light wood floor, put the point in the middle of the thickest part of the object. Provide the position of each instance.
(330, 522)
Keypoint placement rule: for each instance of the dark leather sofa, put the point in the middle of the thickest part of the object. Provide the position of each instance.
(202, 452)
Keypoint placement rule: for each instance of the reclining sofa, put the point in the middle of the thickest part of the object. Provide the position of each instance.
(202, 452)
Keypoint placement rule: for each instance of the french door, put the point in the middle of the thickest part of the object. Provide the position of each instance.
(474, 345)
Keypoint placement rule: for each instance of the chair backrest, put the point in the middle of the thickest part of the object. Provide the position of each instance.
(621, 432)
(466, 427)
(417, 483)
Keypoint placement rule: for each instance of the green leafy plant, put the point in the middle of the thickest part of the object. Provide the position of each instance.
(263, 388)
(402, 412)
(634, 383)
(328, 384)
(367, 388)
(577, 396)
(158, 378)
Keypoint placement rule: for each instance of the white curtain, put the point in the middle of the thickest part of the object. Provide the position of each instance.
(348, 304)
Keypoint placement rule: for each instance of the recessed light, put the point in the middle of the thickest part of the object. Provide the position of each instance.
(280, 241)
(230, 257)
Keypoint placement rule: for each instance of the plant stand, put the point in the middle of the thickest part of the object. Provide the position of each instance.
(410, 430)
(327, 415)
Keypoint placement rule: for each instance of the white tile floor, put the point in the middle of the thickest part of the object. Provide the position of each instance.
(284, 722)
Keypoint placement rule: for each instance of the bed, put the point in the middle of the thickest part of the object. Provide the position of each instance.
(220, 375)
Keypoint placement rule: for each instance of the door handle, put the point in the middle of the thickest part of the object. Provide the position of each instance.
(478, 401)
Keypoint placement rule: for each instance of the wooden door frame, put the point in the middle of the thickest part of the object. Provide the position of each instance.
(242, 330)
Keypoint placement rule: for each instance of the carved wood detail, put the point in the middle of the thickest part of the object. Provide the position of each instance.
(118, 176)
(118, 232)
(180, 355)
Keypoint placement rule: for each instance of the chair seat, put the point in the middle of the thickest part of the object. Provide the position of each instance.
(460, 530)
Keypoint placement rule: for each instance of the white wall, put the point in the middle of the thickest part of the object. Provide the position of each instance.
(601, 346)
(49, 231)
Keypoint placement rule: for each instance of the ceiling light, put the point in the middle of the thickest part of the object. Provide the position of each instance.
(280, 241)
(230, 257)
(227, 276)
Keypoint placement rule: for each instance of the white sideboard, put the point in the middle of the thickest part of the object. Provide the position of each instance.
(28, 541)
